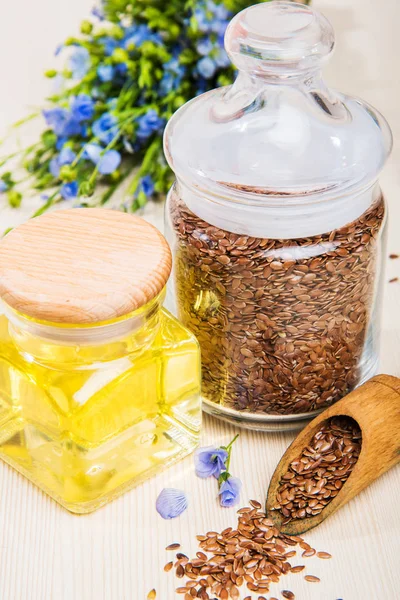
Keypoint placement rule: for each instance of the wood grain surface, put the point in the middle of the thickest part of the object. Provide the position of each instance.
(118, 553)
(82, 265)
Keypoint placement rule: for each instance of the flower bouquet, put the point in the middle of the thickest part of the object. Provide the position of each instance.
(132, 66)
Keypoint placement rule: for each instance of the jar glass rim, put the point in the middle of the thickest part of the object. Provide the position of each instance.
(92, 333)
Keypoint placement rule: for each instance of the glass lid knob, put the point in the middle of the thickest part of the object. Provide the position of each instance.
(279, 36)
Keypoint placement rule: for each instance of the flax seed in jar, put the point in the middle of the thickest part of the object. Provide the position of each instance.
(277, 225)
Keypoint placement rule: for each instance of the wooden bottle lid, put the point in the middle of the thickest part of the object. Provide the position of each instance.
(83, 265)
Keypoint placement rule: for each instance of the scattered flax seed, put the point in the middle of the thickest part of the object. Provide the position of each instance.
(174, 546)
(324, 555)
(308, 553)
(252, 556)
(288, 594)
(168, 566)
(152, 595)
(393, 256)
(312, 578)
(255, 504)
(393, 280)
(298, 569)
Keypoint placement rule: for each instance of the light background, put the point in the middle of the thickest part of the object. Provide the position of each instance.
(118, 552)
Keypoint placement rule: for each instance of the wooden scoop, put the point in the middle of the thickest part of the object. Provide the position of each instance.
(375, 406)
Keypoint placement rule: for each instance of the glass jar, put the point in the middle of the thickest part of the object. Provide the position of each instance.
(99, 384)
(277, 222)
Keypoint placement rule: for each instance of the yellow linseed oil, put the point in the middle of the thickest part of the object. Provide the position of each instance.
(87, 422)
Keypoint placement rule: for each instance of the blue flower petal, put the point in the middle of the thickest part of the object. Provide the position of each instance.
(3, 186)
(82, 107)
(206, 67)
(147, 185)
(105, 128)
(92, 152)
(69, 190)
(79, 62)
(54, 167)
(105, 72)
(66, 156)
(109, 162)
(171, 503)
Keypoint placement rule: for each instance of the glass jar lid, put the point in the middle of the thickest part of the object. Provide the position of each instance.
(278, 130)
(82, 266)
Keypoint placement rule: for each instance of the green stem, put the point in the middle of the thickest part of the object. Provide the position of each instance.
(14, 154)
(148, 158)
(228, 448)
(50, 201)
(110, 192)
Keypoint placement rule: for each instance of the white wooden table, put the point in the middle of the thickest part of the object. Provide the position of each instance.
(118, 552)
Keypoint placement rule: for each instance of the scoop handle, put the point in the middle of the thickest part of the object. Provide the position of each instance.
(375, 406)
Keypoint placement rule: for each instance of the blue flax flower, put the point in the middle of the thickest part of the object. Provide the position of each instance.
(210, 461)
(60, 142)
(82, 107)
(69, 190)
(98, 13)
(79, 62)
(229, 492)
(148, 124)
(222, 59)
(66, 157)
(110, 44)
(105, 72)
(109, 162)
(138, 34)
(204, 46)
(3, 186)
(106, 128)
(106, 163)
(121, 68)
(206, 67)
(56, 119)
(147, 185)
(212, 18)
(172, 77)
(62, 122)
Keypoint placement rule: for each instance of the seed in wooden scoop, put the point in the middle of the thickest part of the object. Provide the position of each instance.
(152, 595)
(316, 477)
(312, 578)
(324, 555)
